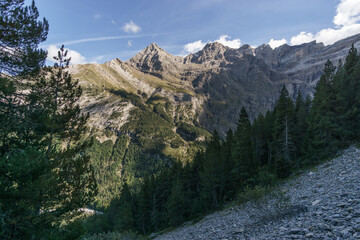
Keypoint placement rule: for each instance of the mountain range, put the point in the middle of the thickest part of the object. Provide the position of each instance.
(206, 89)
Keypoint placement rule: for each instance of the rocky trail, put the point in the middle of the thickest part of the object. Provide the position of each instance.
(323, 203)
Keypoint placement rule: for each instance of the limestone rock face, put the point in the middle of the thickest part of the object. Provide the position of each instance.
(212, 85)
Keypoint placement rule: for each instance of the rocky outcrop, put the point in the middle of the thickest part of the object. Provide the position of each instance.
(324, 204)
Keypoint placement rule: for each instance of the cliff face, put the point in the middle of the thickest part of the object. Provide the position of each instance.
(208, 88)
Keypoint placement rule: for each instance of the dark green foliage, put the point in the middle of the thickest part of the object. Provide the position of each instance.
(123, 211)
(21, 32)
(151, 130)
(210, 176)
(175, 205)
(106, 168)
(161, 111)
(45, 175)
(189, 132)
(134, 99)
(347, 84)
(242, 152)
(301, 116)
(321, 133)
(226, 165)
(283, 133)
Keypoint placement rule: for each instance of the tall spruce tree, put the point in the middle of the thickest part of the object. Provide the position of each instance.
(321, 137)
(347, 83)
(175, 205)
(301, 120)
(210, 174)
(284, 133)
(260, 140)
(242, 152)
(226, 166)
(124, 218)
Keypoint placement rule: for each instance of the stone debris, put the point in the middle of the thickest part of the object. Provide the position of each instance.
(329, 202)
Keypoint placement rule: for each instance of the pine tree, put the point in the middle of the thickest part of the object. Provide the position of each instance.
(283, 133)
(347, 84)
(243, 153)
(321, 137)
(176, 204)
(209, 176)
(226, 166)
(260, 140)
(45, 176)
(301, 120)
(197, 167)
(144, 199)
(124, 220)
(20, 60)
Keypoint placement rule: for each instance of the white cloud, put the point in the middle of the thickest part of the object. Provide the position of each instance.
(97, 16)
(198, 45)
(277, 43)
(236, 43)
(131, 27)
(76, 57)
(303, 37)
(347, 13)
(346, 20)
(193, 47)
(113, 22)
(130, 43)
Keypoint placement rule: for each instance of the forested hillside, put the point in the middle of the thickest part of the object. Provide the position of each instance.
(291, 136)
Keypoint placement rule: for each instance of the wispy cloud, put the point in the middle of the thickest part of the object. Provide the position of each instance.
(131, 27)
(97, 39)
(97, 16)
(130, 43)
(97, 59)
(113, 22)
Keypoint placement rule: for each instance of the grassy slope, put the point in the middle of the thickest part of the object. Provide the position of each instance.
(155, 134)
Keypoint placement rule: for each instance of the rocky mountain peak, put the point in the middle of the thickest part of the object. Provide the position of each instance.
(154, 59)
(247, 49)
(213, 51)
(153, 47)
(214, 46)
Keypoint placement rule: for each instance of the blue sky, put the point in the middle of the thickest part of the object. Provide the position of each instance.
(98, 31)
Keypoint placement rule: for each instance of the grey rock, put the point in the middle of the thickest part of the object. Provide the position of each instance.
(309, 235)
(239, 230)
(357, 227)
(297, 231)
(314, 203)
